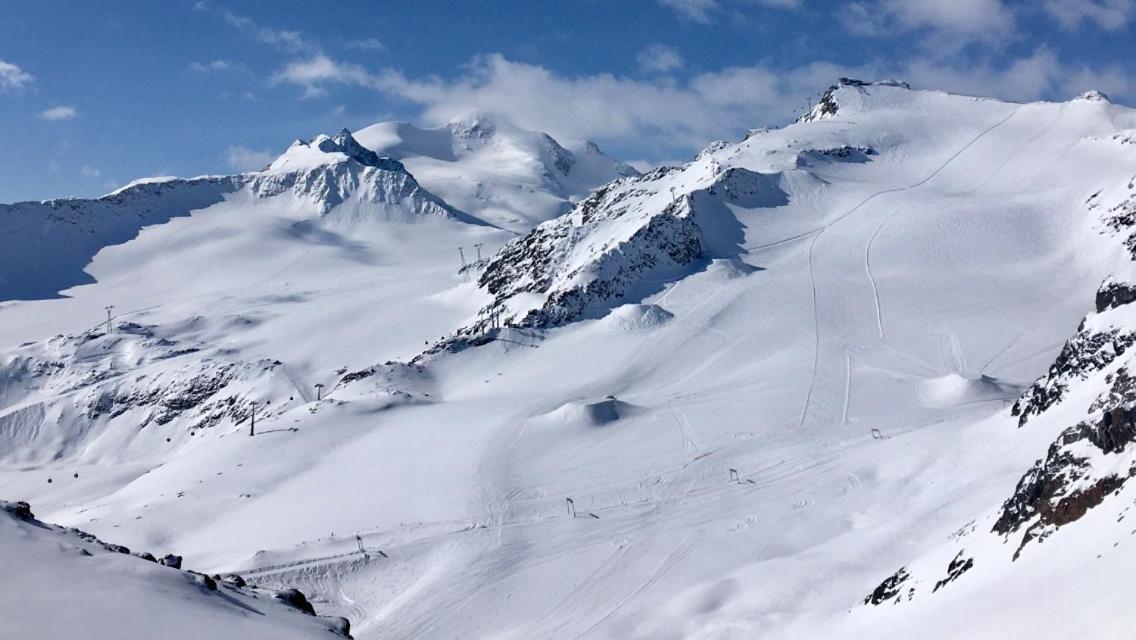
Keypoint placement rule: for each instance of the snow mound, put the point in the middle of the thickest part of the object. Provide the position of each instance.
(636, 317)
(954, 389)
(591, 414)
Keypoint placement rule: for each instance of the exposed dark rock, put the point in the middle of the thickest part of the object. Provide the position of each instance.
(170, 560)
(1084, 353)
(295, 598)
(233, 579)
(19, 510)
(356, 375)
(1114, 294)
(889, 589)
(340, 626)
(1064, 486)
(146, 555)
(958, 566)
(203, 580)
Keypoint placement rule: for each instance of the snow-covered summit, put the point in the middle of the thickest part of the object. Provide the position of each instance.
(485, 165)
(324, 150)
(855, 93)
(337, 174)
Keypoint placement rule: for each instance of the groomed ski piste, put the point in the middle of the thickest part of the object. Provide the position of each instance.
(769, 393)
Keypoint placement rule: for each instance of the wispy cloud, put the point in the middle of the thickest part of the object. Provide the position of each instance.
(704, 11)
(245, 159)
(696, 10)
(13, 78)
(312, 73)
(1110, 15)
(368, 44)
(659, 58)
(291, 41)
(212, 65)
(89, 172)
(950, 25)
(62, 112)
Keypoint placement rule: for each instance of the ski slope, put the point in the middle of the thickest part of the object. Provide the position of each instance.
(907, 262)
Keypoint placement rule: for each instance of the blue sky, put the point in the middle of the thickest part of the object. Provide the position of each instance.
(95, 95)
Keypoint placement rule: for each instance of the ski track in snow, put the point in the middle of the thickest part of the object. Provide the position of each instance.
(820, 232)
(1006, 161)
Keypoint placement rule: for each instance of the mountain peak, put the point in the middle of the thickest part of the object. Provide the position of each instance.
(1093, 96)
(324, 149)
(476, 125)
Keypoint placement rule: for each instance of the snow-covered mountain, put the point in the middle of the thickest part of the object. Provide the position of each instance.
(831, 380)
(485, 165)
(45, 246)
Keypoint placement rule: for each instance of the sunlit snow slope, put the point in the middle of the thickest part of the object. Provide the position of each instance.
(765, 380)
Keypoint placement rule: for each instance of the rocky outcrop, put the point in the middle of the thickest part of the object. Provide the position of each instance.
(295, 598)
(891, 589)
(957, 566)
(1084, 354)
(602, 253)
(91, 386)
(1070, 481)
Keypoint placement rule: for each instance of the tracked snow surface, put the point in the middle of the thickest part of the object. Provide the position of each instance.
(867, 375)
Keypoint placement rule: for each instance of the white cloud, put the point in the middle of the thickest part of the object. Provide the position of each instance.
(288, 40)
(709, 105)
(703, 10)
(246, 159)
(369, 44)
(12, 77)
(659, 58)
(671, 114)
(953, 23)
(320, 69)
(89, 172)
(1113, 80)
(62, 112)
(1028, 78)
(696, 10)
(212, 65)
(1107, 14)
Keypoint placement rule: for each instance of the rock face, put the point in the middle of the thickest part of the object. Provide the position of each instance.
(1093, 458)
(295, 598)
(1072, 479)
(890, 589)
(610, 248)
(1085, 353)
(831, 100)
